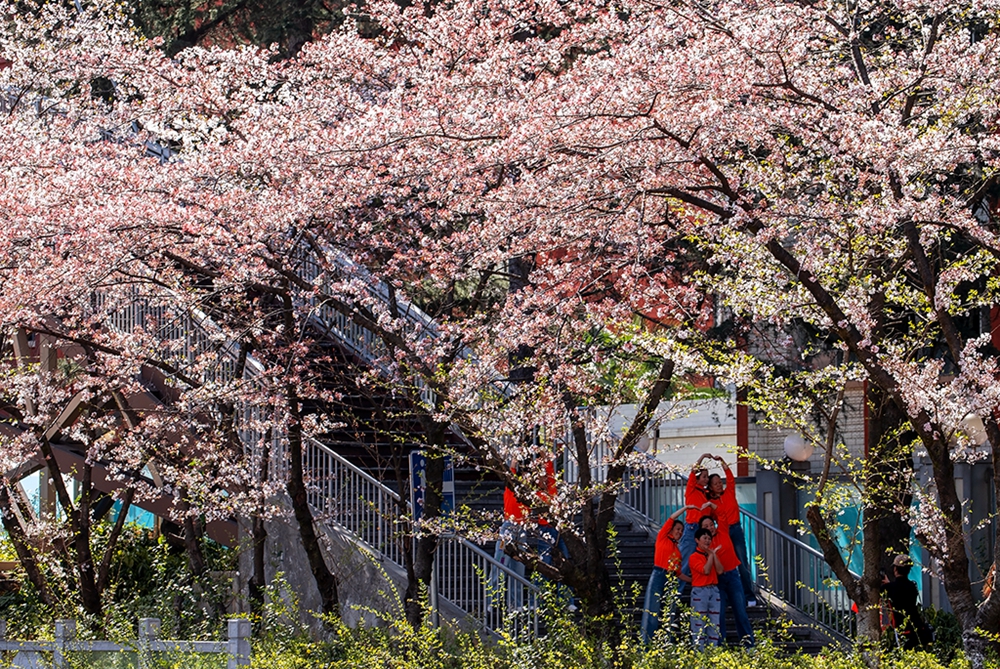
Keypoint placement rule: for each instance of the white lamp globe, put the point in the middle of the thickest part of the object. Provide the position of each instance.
(797, 448)
(972, 426)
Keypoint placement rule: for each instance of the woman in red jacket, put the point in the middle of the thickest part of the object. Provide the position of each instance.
(666, 562)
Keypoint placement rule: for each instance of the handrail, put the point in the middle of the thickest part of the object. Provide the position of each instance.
(362, 341)
(500, 599)
(799, 575)
(352, 499)
(784, 536)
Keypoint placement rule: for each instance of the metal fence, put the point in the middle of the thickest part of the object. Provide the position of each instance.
(503, 601)
(351, 498)
(798, 574)
(66, 650)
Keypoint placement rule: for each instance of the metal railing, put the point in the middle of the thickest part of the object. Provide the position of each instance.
(503, 601)
(465, 575)
(370, 293)
(352, 499)
(797, 574)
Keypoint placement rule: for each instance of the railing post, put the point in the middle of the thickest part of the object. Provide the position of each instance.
(149, 631)
(435, 613)
(65, 632)
(239, 643)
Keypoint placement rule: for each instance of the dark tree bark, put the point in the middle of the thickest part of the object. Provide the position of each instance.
(258, 580)
(24, 550)
(79, 522)
(326, 580)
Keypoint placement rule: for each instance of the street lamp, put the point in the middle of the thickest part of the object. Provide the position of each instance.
(797, 448)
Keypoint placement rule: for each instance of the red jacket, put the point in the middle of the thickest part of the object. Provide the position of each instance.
(696, 495)
(726, 551)
(727, 509)
(699, 578)
(668, 554)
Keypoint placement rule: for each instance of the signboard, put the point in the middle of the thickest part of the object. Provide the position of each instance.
(418, 485)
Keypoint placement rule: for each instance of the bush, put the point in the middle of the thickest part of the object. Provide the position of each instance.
(149, 578)
(947, 633)
(565, 644)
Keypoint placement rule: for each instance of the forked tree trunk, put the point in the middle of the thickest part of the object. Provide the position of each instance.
(25, 552)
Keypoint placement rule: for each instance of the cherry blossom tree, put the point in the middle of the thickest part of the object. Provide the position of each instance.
(822, 162)
(832, 159)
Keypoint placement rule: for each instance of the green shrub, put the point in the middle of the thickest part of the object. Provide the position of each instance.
(149, 578)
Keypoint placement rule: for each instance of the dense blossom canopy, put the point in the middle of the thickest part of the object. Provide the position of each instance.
(821, 163)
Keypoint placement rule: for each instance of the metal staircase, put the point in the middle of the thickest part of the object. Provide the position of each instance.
(467, 579)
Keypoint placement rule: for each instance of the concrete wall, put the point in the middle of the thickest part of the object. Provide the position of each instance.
(366, 584)
(685, 430)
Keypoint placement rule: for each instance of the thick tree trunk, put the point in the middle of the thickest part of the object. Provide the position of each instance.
(326, 580)
(192, 538)
(258, 580)
(90, 594)
(889, 474)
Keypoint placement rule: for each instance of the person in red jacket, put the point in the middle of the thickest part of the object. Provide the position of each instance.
(727, 512)
(666, 563)
(705, 570)
(730, 589)
(695, 500)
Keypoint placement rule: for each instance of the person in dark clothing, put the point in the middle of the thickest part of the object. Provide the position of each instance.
(907, 620)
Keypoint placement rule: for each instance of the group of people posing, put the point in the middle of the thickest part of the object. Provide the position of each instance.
(706, 555)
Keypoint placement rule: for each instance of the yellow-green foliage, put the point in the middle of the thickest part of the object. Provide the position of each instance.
(565, 645)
